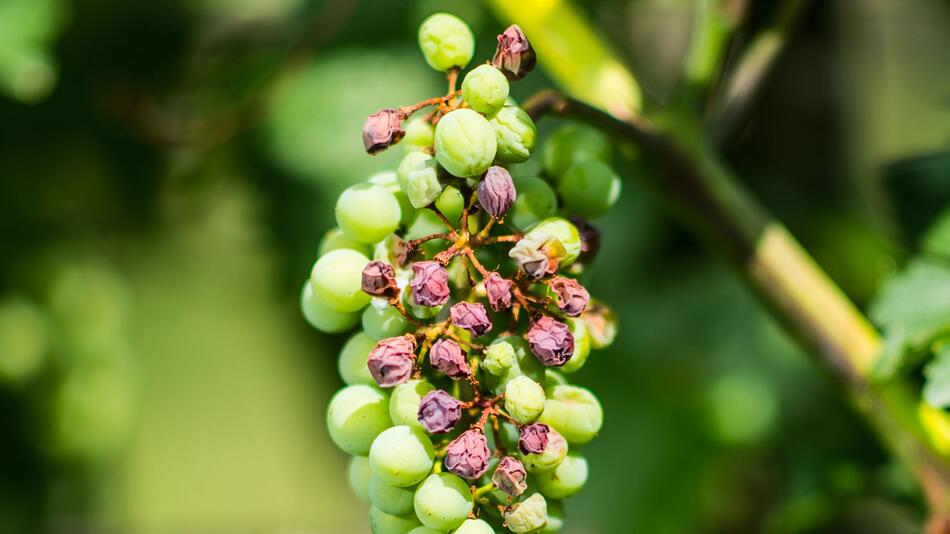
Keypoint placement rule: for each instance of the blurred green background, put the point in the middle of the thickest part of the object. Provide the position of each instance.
(168, 168)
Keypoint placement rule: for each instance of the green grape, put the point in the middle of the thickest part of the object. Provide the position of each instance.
(474, 526)
(426, 530)
(529, 515)
(382, 322)
(524, 364)
(419, 134)
(524, 399)
(321, 317)
(401, 456)
(561, 229)
(337, 280)
(446, 41)
(572, 144)
(550, 458)
(389, 180)
(353, 358)
(499, 357)
(404, 402)
(358, 474)
(335, 239)
(23, 340)
(367, 212)
(515, 134)
(465, 143)
(356, 415)
(564, 480)
(581, 346)
(574, 412)
(418, 177)
(554, 378)
(555, 518)
(451, 203)
(391, 499)
(485, 89)
(535, 202)
(382, 523)
(589, 188)
(443, 501)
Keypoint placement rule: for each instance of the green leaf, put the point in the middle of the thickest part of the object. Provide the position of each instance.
(937, 384)
(913, 309)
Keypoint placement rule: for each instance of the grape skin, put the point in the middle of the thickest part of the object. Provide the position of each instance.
(566, 479)
(443, 501)
(391, 499)
(485, 89)
(401, 456)
(337, 278)
(574, 412)
(465, 143)
(356, 416)
(589, 189)
(367, 212)
(321, 317)
(446, 41)
(358, 476)
(404, 402)
(380, 323)
(353, 357)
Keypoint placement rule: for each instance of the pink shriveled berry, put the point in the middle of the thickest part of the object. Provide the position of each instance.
(498, 289)
(514, 56)
(382, 129)
(439, 412)
(551, 341)
(496, 191)
(510, 476)
(534, 438)
(390, 362)
(379, 279)
(471, 316)
(446, 356)
(429, 284)
(467, 455)
(572, 297)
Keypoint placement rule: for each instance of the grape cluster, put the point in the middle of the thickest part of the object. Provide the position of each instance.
(457, 409)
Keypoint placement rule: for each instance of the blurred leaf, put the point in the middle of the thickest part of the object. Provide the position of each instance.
(937, 240)
(937, 386)
(912, 309)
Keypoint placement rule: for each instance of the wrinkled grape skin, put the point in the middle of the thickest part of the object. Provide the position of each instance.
(574, 412)
(485, 89)
(337, 280)
(443, 501)
(446, 41)
(321, 317)
(566, 479)
(391, 499)
(401, 456)
(358, 474)
(382, 523)
(404, 402)
(535, 202)
(356, 416)
(589, 188)
(367, 213)
(516, 135)
(465, 143)
(564, 231)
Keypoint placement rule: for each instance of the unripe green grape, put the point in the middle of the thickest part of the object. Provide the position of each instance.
(485, 89)
(23, 340)
(426, 530)
(401, 456)
(358, 475)
(337, 279)
(581, 346)
(524, 399)
(382, 523)
(572, 144)
(515, 134)
(529, 515)
(499, 357)
(391, 499)
(574, 412)
(465, 143)
(335, 239)
(553, 378)
(524, 364)
(446, 41)
(320, 316)
(418, 177)
(382, 322)
(474, 526)
(367, 212)
(562, 230)
(388, 179)
(404, 402)
(550, 458)
(353, 358)
(564, 480)
(356, 416)
(589, 188)
(419, 134)
(451, 203)
(535, 202)
(443, 501)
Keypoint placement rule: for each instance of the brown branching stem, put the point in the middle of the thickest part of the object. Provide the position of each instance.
(701, 191)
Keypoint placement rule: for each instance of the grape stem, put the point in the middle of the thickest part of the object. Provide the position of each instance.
(702, 192)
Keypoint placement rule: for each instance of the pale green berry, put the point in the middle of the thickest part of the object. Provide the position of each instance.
(499, 357)
(419, 134)
(574, 412)
(474, 526)
(572, 144)
(564, 480)
(404, 402)
(446, 41)
(401, 456)
(380, 322)
(554, 378)
(382, 523)
(485, 89)
(335, 239)
(337, 279)
(353, 357)
(528, 515)
(358, 475)
(581, 335)
(563, 231)
(426, 530)
(525, 364)
(443, 501)
(356, 416)
(536, 201)
(524, 399)
(387, 179)
(516, 135)
(367, 212)
(465, 143)
(390, 499)
(321, 317)
(451, 203)
(589, 188)
(418, 177)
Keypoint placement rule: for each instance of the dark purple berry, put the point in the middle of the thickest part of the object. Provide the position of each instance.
(496, 192)
(534, 438)
(379, 279)
(382, 129)
(498, 289)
